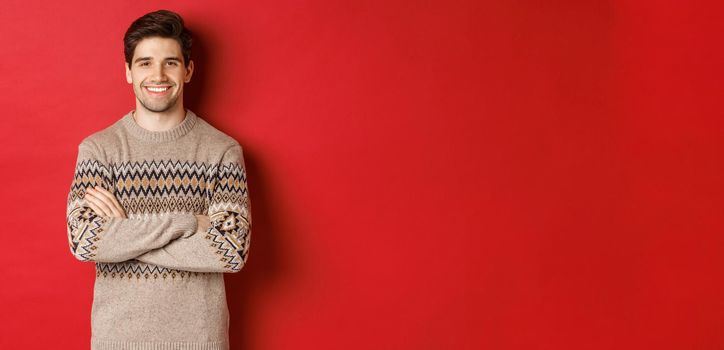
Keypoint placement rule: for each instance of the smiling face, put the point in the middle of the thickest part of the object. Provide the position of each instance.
(158, 74)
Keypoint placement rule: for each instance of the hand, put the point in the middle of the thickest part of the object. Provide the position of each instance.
(104, 203)
(203, 223)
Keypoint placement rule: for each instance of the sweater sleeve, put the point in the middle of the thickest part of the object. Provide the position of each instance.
(224, 247)
(93, 237)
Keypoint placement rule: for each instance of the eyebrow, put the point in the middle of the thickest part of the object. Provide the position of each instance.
(148, 58)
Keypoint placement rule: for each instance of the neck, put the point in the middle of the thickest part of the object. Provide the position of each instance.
(158, 121)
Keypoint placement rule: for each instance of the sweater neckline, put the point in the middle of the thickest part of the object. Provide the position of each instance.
(174, 133)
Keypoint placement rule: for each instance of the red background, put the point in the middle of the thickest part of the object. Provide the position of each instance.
(423, 174)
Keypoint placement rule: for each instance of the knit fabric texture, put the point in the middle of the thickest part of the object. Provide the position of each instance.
(159, 280)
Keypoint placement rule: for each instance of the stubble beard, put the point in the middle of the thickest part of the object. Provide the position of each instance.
(155, 106)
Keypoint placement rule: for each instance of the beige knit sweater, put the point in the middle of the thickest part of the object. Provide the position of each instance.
(159, 281)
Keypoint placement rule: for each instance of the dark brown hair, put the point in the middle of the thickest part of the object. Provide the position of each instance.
(161, 23)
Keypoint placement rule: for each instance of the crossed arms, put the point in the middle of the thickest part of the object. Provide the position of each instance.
(98, 229)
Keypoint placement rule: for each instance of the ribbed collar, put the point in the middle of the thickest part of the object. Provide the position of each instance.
(158, 136)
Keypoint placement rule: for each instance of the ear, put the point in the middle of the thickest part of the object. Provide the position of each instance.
(128, 74)
(189, 71)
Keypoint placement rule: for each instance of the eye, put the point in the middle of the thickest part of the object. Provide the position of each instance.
(144, 63)
(173, 63)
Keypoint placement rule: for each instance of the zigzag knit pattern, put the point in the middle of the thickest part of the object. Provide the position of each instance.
(84, 225)
(160, 270)
(157, 186)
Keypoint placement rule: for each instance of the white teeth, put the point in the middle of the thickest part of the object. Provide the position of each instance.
(156, 89)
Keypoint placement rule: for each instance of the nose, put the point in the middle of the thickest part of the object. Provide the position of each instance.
(158, 74)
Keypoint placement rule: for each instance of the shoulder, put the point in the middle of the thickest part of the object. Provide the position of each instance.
(226, 149)
(99, 141)
(216, 138)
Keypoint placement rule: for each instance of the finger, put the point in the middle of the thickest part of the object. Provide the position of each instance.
(107, 198)
(98, 211)
(99, 202)
(106, 201)
(203, 222)
(111, 200)
(92, 203)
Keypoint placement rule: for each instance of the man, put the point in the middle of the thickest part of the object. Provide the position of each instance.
(159, 203)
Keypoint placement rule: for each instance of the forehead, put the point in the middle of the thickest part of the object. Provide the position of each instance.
(157, 47)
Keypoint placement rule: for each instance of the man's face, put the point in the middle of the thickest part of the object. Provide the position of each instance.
(157, 64)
